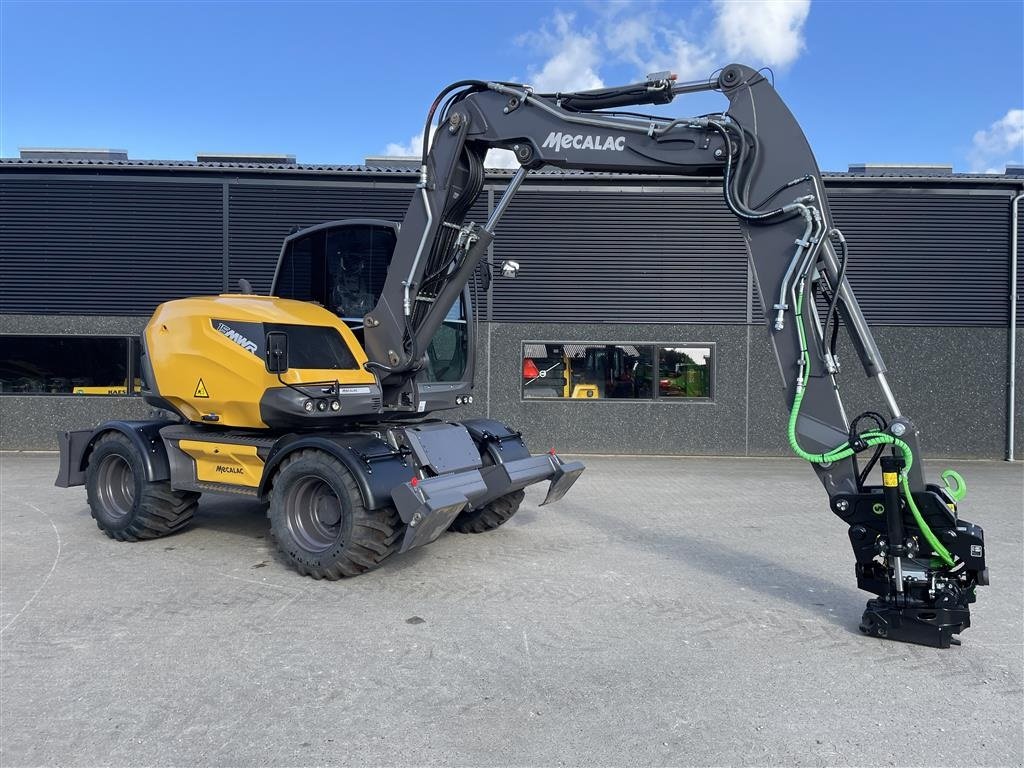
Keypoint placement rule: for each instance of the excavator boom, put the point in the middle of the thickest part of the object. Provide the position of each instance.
(912, 550)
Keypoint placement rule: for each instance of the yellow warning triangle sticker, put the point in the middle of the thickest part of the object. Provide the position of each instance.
(201, 390)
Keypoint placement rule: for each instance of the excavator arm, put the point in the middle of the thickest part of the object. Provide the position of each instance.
(913, 551)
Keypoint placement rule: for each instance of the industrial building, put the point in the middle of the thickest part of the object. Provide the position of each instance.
(640, 285)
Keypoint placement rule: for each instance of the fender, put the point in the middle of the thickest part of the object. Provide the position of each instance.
(76, 447)
(376, 466)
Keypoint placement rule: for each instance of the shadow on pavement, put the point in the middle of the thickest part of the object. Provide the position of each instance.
(745, 569)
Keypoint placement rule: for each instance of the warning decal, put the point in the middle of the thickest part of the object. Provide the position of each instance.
(201, 390)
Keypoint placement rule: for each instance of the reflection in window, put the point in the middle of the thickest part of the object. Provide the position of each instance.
(357, 259)
(684, 372)
(446, 355)
(38, 365)
(588, 371)
(295, 272)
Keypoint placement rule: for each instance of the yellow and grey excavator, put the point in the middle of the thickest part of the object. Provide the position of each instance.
(323, 398)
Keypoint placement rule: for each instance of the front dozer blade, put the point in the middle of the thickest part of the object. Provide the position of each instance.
(566, 473)
(429, 506)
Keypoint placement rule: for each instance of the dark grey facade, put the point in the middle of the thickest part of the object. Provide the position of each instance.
(90, 248)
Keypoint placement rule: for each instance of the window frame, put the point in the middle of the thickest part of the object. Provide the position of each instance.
(655, 397)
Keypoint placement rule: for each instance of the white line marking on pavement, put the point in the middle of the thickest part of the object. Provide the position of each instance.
(53, 567)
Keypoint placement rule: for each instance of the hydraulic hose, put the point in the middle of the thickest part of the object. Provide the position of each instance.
(736, 206)
(830, 316)
(870, 438)
(474, 84)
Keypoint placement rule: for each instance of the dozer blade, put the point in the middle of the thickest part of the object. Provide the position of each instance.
(566, 473)
(429, 506)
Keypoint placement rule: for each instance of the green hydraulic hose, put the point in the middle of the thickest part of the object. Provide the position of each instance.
(960, 490)
(872, 438)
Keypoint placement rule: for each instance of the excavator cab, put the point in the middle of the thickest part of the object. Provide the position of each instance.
(342, 266)
(276, 399)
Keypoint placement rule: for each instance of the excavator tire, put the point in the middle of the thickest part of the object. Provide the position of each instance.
(319, 521)
(125, 505)
(490, 515)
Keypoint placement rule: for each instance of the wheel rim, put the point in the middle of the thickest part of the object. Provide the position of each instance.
(116, 485)
(314, 514)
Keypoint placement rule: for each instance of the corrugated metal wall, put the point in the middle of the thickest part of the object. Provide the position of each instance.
(924, 257)
(927, 258)
(1020, 263)
(595, 256)
(106, 247)
(98, 245)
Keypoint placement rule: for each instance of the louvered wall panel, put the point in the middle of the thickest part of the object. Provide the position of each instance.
(107, 247)
(595, 256)
(261, 216)
(927, 258)
(1020, 263)
(96, 246)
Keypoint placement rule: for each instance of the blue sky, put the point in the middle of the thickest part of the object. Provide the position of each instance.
(911, 82)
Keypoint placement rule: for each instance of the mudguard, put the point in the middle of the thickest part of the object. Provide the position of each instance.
(75, 447)
(376, 466)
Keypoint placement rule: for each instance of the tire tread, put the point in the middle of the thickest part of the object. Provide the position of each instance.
(158, 511)
(490, 516)
(374, 533)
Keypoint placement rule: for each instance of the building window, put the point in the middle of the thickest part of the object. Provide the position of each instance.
(68, 365)
(684, 372)
(595, 371)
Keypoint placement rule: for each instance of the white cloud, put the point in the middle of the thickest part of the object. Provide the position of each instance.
(761, 32)
(688, 60)
(413, 148)
(1001, 144)
(572, 58)
(643, 34)
(496, 158)
(627, 37)
(639, 34)
(754, 32)
(500, 158)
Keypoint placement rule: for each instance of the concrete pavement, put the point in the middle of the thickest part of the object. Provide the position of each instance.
(668, 611)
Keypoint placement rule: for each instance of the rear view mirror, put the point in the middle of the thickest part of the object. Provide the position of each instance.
(277, 352)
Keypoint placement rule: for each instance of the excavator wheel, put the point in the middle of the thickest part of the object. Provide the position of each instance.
(125, 505)
(320, 523)
(490, 515)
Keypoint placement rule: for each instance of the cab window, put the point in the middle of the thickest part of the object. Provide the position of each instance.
(295, 273)
(356, 266)
(446, 355)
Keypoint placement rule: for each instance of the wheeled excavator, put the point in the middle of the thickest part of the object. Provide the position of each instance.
(326, 398)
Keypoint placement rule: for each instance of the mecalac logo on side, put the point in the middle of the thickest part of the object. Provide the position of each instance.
(559, 141)
(236, 337)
